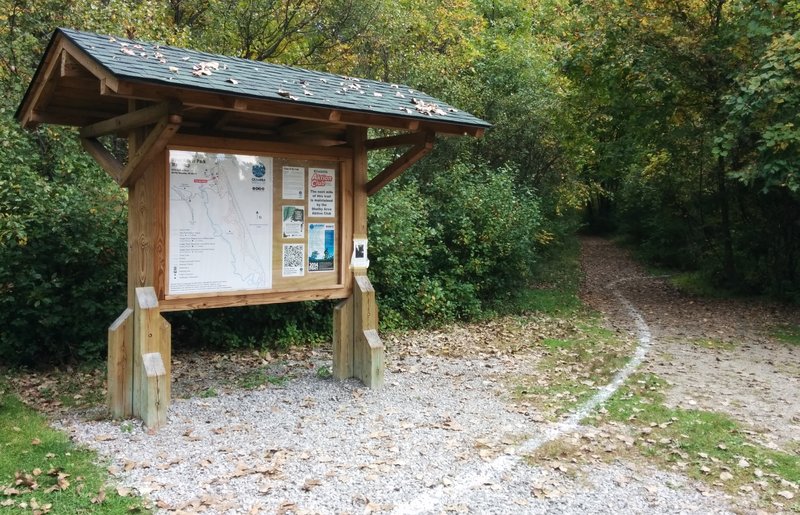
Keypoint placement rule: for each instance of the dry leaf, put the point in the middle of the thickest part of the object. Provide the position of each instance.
(310, 483)
(101, 496)
(786, 494)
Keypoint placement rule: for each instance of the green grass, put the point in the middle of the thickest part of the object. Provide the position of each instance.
(37, 455)
(703, 444)
(712, 343)
(572, 367)
(787, 333)
(261, 377)
(699, 284)
(555, 285)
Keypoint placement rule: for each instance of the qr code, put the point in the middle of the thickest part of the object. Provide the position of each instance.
(293, 254)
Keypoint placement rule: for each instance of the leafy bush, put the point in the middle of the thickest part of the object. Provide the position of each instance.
(62, 249)
(453, 247)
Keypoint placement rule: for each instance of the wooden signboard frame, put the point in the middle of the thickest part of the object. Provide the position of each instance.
(140, 339)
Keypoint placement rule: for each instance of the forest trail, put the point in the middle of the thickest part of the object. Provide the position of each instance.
(715, 354)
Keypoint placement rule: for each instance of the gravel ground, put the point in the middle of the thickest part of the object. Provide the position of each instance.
(443, 435)
(439, 437)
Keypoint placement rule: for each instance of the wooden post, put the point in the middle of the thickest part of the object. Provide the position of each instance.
(368, 348)
(151, 351)
(357, 348)
(343, 339)
(120, 365)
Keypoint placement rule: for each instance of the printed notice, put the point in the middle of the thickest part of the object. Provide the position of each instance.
(321, 247)
(321, 192)
(220, 223)
(294, 182)
(293, 259)
(293, 221)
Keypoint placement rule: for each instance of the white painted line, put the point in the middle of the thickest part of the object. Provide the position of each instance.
(490, 473)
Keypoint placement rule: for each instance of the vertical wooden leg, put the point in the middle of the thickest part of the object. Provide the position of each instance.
(152, 355)
(343, 339)
(368, 349)
(120, 365)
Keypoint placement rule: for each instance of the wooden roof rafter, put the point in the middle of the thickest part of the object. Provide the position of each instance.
(165, 119)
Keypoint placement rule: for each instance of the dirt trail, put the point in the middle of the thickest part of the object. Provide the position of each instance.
(716, 354)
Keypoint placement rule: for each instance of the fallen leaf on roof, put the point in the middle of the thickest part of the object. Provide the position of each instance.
(233, 81)
(174, 69)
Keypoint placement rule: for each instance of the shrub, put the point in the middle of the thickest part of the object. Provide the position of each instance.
(62, 249)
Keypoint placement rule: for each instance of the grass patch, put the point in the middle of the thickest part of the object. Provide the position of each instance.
(572, 367)
(261, 377)
(555, 286)
(787, 333)
(40, 469)
(707, 446)
(699, 284)
(713, 343)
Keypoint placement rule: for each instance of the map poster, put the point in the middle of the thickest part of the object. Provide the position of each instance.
(321, 192)
(294, 183)
(293, 259)
(294, 221)
(220, 223)
(321, 247)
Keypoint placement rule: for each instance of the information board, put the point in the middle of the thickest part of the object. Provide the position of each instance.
(220, 222)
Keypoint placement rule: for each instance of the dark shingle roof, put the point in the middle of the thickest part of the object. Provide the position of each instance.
(165, 65)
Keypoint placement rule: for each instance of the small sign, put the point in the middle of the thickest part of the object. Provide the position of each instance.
(294, 183)
(321, 193)
(359, 259)
(293, 259)
(294, 221)
(321, 247)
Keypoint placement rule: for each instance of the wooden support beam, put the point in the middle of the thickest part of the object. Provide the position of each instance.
(302, 126)
(69, 67)
(343, 339)
(120, 365)
(132, 120)
(402, 163)
(368, 359)
(222, 119)
(152, 354)
(409, 138)
(104, 158)
(155, 142)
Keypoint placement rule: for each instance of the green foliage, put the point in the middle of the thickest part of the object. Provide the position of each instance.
(464, 241)
(62, 249)
(254, 327)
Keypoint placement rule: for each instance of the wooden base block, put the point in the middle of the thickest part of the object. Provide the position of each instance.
(154, 401)
(343, 339)
(120, 365)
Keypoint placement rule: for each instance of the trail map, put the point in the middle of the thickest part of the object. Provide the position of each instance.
(220, 223)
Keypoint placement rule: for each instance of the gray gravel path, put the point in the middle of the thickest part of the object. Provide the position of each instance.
(320, 446)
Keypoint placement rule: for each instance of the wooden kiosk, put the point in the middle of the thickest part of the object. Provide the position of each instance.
(247, 184)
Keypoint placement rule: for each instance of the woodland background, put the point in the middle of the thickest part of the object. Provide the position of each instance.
(674, 124)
